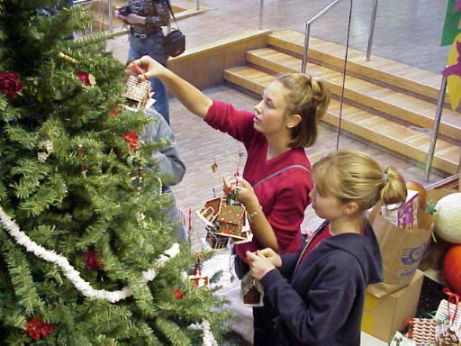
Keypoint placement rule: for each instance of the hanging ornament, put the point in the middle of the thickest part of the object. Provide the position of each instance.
(137, 90)
(178, 294)
(83, 171)
(10, 84)
(37, 329)
(131, 137)
(92, 260)
(80, 150)
(87, 79)
(197, 279)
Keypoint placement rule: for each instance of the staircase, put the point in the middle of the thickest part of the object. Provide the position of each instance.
(385, 102)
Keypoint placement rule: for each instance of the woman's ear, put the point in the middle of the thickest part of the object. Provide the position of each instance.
(350, 208)
(293, 120)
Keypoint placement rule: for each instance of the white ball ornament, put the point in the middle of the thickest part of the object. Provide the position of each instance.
(448, 218)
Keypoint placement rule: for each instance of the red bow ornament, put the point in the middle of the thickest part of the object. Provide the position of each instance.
(86, 78)
(10, 84)
(178, 294)
(37, 329)
(92, 260)
(131, 137)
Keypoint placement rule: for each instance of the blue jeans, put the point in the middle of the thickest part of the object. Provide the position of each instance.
(152, 46)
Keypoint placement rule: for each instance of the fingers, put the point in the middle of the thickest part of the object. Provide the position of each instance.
(267, 252)
(141, 67)
(242, 181)
(253, 256)
(227, 186)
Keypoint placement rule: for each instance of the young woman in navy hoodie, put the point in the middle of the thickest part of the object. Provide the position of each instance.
(319, 292)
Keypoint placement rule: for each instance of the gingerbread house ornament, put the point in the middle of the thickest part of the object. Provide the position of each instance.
(137, 92)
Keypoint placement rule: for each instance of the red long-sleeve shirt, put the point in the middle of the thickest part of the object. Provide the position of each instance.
(283, 197)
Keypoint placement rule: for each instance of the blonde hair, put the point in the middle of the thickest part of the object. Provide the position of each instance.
(308, 97)
(353, 176)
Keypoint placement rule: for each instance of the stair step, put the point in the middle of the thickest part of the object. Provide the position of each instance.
(397, 104)
(387, 71)
(399, 138)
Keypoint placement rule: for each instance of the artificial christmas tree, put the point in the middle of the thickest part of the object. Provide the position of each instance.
(87, 254)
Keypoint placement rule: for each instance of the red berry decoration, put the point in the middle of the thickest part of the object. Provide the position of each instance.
(452, 268)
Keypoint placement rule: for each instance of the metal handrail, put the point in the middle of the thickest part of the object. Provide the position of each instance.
(320, 14)
(111, 19)
(308, 32)
(372, 28)
(435, 129)
(261, 10)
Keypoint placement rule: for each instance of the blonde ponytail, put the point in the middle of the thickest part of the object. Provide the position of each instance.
(394, 189)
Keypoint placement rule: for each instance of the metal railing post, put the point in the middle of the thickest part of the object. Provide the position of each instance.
(111, 24)
(306, 47)
(197, 5)
(308, 30)
(261, 11)
(372, 28)
(435, 129)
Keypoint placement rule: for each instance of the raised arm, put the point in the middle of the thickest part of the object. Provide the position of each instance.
(191, 97)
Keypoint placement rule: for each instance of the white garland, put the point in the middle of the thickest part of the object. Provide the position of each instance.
(84, 287)
(71, 273)
(208, 337)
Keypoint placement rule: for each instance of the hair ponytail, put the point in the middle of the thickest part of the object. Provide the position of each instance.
(394, 189)
(308, 97)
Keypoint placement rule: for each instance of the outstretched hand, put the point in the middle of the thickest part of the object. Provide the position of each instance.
(145, 67)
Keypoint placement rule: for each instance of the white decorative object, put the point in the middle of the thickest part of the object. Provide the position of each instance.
(208, 337)
(448, 218)
(71, 273)
(48, 146)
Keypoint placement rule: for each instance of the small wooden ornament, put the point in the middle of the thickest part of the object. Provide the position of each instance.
(137, 92)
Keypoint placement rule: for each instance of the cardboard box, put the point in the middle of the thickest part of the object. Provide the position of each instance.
(403, 215)
(382, 317)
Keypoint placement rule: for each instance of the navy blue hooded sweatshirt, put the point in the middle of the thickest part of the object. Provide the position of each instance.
(321, 303)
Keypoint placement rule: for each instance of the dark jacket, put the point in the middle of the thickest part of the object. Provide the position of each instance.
(322, 302)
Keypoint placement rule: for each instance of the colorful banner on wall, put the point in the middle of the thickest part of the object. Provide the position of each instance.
(452, 26)
(453, 73)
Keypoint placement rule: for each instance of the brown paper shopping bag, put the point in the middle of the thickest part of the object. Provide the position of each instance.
(401, 250)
